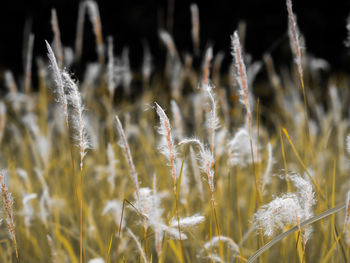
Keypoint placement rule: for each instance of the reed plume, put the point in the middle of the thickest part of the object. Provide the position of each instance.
(168, 150)
(57, 35)
(94, 15)
(61, 98)
(78, 117)
(126, 150)
(8, 204)
(195, 28)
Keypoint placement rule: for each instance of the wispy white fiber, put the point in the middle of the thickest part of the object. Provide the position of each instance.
(126, 150)
(216, 241)
(206, 160)
(96, 260)
(178, 122)
(61, 98)
(188, 222)
(168, 41)
(28, 211)
(114, 207)
(78, 117)
(110, 67)
(241, 72)
(288, 209)
(239, 148)
(270, 160)
(139, 246)
(166, 145)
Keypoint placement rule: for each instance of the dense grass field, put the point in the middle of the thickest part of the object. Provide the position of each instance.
(183, 164)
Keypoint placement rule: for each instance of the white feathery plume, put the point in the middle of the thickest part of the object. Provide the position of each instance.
(79, 31)
(239, 148)
(46, 203)
(206, 160)
(267, 174)
(213, 121)
(27, 211)
(127, 74)
(176, 73)
(30, 121)
(196, 173)
(173, 232)
(147, 67)
(215, 241)
(22, 174)
(348, 143)
(10, 81)
(7, 201)
(126, 150)
(138, 245)
(43, 145)
(335, 104)
(168, 41)
(57, 35)
(92, 73)
(306, 198)
(79, 120)
(96, 260)
(178, 122)
(241, 73)
(68, 56)
(94, 16)
(347, 41)
(146, 203)
(220, 142)
(290, 208)
(188, 222)
(59, 82)
(252, 71)
(206, 66)
(195, 27)
(110, 67)
(114, 207)
(294, 37)
(167, 147)
(278, 213)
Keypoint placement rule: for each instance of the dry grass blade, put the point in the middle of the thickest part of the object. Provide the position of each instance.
(29, 59)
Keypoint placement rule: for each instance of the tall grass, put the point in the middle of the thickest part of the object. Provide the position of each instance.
(226, 177)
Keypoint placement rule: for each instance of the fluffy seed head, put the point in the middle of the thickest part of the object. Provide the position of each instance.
(241, 72)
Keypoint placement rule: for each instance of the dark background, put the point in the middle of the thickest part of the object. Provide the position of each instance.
(130, 22)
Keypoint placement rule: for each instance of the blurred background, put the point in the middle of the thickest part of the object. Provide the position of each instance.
(133, 22)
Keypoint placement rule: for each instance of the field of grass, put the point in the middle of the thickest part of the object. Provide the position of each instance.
(180, 165)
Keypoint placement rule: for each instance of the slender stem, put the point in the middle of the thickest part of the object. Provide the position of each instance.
(81, 217)
(178, 222)
(119, 232)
